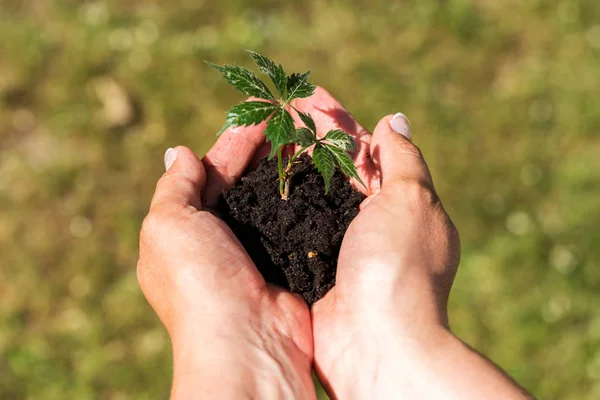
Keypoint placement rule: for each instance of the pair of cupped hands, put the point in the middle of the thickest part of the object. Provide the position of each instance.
(381, 332)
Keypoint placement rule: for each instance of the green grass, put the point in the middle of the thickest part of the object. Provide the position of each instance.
(503, 98)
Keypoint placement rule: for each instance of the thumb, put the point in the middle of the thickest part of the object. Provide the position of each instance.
(183, 183)
(394, 155)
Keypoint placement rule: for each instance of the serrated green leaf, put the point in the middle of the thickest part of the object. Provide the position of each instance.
(308, 121)
(274, 71)
(298, 86)
(305, 137)
(344, 162)
(341, 139)
(224, 128)
(244, 81)
(250, 113)
(325, 163)
(280, 130)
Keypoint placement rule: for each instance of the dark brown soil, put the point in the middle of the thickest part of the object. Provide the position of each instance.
(295, 244)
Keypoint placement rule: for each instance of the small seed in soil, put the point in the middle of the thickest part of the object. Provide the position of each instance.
(312, 254)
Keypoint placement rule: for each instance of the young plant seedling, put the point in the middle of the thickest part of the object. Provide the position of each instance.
(329, 152)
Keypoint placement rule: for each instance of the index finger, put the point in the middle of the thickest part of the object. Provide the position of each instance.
(227, 160)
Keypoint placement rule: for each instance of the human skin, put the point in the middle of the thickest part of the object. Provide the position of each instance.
(382, 332)
(233, 336)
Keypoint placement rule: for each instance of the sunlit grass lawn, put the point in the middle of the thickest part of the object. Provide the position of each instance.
(503, 98)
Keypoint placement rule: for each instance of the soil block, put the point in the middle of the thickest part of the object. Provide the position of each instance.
(295, 243)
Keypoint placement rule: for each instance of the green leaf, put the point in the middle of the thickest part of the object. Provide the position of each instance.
(280, 130)
(308, 121)
(224, 128)
(344, 162)
(298, 86)
(325, 163)
(341, 139)
(250, 113)
(244, 81)
(305, 137)
(274, 71)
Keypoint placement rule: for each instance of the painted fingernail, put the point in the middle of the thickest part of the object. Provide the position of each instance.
(401, 125)
(170, 157)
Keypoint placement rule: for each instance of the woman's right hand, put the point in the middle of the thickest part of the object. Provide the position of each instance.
(233, 335)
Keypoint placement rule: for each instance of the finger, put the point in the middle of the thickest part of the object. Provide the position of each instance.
(227, 160)
(183, 182)
(329, 114)
(263, 151)
(394, 155)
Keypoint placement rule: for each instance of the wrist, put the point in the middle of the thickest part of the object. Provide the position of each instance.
(390, 357)
(437, 365)
(239, 358)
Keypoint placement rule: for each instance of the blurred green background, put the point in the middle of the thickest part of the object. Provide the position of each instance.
(504, 101)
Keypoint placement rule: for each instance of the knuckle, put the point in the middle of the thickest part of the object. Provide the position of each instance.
(448, 239)
(153, 225)
(141, 273)
(159, 226)
(219, 168)
(421, 193)
(408, 148)
(454, 237)
(453, 230)
(149, 226)
(166, 177)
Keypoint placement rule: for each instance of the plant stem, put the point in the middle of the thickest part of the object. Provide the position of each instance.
(280, 170)
(286, 189)
(286, 176)
(293, 158)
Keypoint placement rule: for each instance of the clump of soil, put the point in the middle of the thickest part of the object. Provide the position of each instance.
(295, 244)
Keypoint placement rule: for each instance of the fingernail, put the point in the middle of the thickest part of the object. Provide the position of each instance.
(170, 157)
(401, 125)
